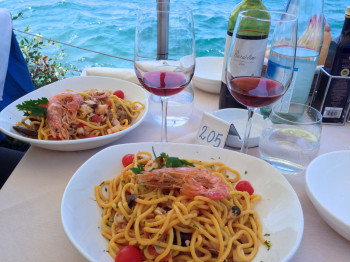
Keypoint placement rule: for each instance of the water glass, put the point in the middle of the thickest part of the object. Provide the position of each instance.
(180, 107)
(291, 138)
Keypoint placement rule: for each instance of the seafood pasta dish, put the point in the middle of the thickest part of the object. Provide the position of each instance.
(71, 115)
(162, 208)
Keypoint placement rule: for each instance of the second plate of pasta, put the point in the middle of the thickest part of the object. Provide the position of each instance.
(154, 212)
(76, 113)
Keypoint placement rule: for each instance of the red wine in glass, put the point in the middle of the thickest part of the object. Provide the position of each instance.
(256, 91)
(163, 83)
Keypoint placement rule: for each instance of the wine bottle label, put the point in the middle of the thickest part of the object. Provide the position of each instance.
(227, 47)
(345, 64)
(248, 55)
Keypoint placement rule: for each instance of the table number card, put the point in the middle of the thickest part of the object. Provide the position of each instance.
(213, 131)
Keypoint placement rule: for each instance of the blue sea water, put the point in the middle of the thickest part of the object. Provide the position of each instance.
(108, 26)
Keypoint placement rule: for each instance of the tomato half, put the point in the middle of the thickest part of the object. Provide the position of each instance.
(245, 186)
(127, 159)
(96, 119)
(119, 93)
(128, 254)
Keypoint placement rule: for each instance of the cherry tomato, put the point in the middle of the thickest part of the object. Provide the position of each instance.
(127, 159)
(128, 254)
(245, 186)
(119, 93)
(90, 136)
(154, 253)
(96, 119)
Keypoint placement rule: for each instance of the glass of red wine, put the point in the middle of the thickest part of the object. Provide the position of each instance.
(164, 55)
(260, 62)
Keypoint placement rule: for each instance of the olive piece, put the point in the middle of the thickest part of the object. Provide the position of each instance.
(130, 200)
(236, 210)
(184, 237)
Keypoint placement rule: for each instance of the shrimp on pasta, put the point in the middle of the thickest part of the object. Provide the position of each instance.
(75, 115)
(179, 210)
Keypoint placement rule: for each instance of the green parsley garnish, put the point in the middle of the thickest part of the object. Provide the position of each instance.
(138, 169)
(34, 107)
(172, 161)
(156, 158)
(177, 162)
(268, 244)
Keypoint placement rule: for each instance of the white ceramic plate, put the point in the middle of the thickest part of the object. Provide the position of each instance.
(279, 209)
(327, 185)
(10, 115)
(239, 117)
(208, 72)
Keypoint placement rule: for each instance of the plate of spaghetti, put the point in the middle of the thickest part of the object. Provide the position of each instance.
(76, 113)
(180, 202)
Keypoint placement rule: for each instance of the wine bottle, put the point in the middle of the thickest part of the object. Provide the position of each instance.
(226, 100)
(338, 57)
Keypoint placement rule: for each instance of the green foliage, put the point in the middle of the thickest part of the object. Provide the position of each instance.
(42, 68)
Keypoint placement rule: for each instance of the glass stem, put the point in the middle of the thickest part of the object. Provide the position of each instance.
(164, 103)
(244, 148)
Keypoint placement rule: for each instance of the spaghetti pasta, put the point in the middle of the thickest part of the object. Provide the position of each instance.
(167, 224)
(75, 115)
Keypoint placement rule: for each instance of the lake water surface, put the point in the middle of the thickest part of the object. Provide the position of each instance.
(108, 26)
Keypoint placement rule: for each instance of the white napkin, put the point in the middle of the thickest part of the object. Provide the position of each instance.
(120, 73)
(5, 44)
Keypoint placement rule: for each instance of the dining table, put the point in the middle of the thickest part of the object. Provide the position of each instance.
(30, 200)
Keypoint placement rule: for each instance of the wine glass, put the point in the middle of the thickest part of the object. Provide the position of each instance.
(260, 33)
(164, 55)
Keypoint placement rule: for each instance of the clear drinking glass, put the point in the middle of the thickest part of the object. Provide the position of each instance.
(291, 139)
(259, 33)
(180, 107)
(164, 55)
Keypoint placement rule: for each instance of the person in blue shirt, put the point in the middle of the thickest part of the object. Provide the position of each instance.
(15, 81)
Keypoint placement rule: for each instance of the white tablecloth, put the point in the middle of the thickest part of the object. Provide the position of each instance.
(31, 228)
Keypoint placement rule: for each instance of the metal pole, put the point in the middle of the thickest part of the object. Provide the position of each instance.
(163, 29)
